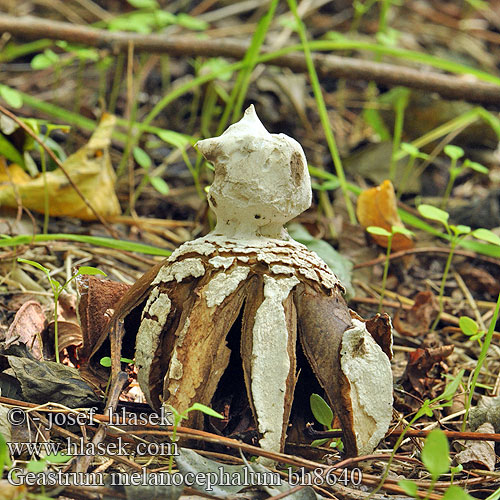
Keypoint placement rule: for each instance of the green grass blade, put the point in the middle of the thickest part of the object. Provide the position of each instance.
(240, 87)
(99, 241)
(325, 122)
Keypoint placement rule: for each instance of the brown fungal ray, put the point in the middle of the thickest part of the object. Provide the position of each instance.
(182, 299)
(322, 320)
(199, 356)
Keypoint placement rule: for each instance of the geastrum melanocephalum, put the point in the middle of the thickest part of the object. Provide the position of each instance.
(283, 294)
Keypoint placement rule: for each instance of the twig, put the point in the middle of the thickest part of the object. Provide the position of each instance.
(30, 132)
(327, 66)
(465, 436)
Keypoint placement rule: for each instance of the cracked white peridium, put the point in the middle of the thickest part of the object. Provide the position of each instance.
(270, 364)
(279, 269)
(180, 270)
(148, 336)
(261, 179)
(224, 284)
(368, 371)
(219, 261)
(175, 368)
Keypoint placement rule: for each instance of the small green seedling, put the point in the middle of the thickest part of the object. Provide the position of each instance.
(455, 153)
(436, 458)
(427, 408)
(455, 234)
(144, 160)
(380, 231)
(106, 362)
(40, 466)
(57, 289)
(178, 417)
(470, 328)
(482, 357)
(324, 415)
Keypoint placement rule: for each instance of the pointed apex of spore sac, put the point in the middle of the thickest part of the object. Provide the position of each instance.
(250, 124)
(261, 179)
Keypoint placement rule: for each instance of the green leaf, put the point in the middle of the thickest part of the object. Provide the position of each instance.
(163, 18)
(321, 410)
(36, 465)
(191, 23)
(159, 184)
(477, 167)
(478, 336)
(142, 158)
(58, 458)
(90, 271)
(409, 487)
(379, 231)
(205, 409)
(34, 264)
(424, 410)
(456, 493)
(105, 361)
(319, 442)
(4, 453)
(402, 230)
(454, 152)
(468, 326)
(460, 229)
(451, 388)
(10, 152)
(127, 360)
(486, 235)
(174, 138)
(411, 150)
(216, 65)
(373, 118)
(55, 285)
(436, 453)
(45, 60)
(143, 4)
(11, 96)
(458, 468)
(326, 185)
(140, 22)
(433, 213)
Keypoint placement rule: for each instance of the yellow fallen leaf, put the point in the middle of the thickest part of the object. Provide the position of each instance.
(378, 207)
(89, 168)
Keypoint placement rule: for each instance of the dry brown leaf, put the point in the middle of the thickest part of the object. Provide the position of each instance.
(27, 326)
(416, 321)
(97, 299)
(378, 207)
(89, 168)
(420, 364)
(479, 454)
(69, 334)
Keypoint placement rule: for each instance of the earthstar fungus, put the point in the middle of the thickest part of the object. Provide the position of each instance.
(249, 267)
